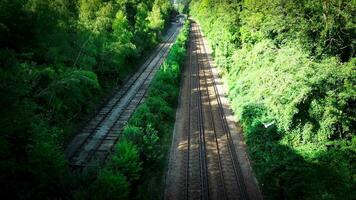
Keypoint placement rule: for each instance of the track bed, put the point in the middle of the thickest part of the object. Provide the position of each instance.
(208, 158)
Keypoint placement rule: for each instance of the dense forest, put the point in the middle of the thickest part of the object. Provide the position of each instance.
(290, 69)
(58, 59)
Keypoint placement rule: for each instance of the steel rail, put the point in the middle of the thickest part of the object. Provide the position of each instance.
(202, 146)
(213, 124)
(140, 98)
(231, 146)
(131, 80)
(126, 89)
(189, 113)
(159, 62)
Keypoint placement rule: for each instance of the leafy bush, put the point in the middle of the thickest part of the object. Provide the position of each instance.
(126, 160)
(147, 142)
(109, 184)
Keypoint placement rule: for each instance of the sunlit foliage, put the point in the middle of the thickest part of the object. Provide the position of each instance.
(290, 68)
(57, 61)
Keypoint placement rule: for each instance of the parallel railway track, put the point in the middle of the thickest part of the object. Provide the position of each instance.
(95, 142)
(197, 173)
(227, 139)
(212, 167)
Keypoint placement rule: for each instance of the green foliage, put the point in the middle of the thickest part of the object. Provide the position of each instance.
(57, 61)
(290, 69)
(160, 10)
(147, 142)
(182, 6)
(126, 160)
(155, 18)
(147, 135)
(143, 36)
(45, 147)
(109, 184)
(53, 89)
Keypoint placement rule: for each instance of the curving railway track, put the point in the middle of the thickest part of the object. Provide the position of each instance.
(204, 162)
(95, 142)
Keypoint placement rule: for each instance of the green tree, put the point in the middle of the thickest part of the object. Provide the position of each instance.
(56, 58)
(156, 18)
(144, 38)
(109, 185)
(126, 160)
(122, 37)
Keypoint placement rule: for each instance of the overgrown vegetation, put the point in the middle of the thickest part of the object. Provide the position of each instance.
(182, 6)
(290, 68)
(140, 157)
(57, 60)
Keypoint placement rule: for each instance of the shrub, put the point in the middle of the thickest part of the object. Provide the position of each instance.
(109, 184)
(126, 160)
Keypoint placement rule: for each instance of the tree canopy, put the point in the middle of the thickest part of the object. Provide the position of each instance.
(58, 59)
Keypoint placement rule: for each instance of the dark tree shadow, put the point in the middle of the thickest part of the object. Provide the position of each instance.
(285, 174)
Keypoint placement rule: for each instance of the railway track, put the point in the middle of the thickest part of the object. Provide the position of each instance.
(205, 162)
(232, 183)
(197, 183)
(92, 146)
